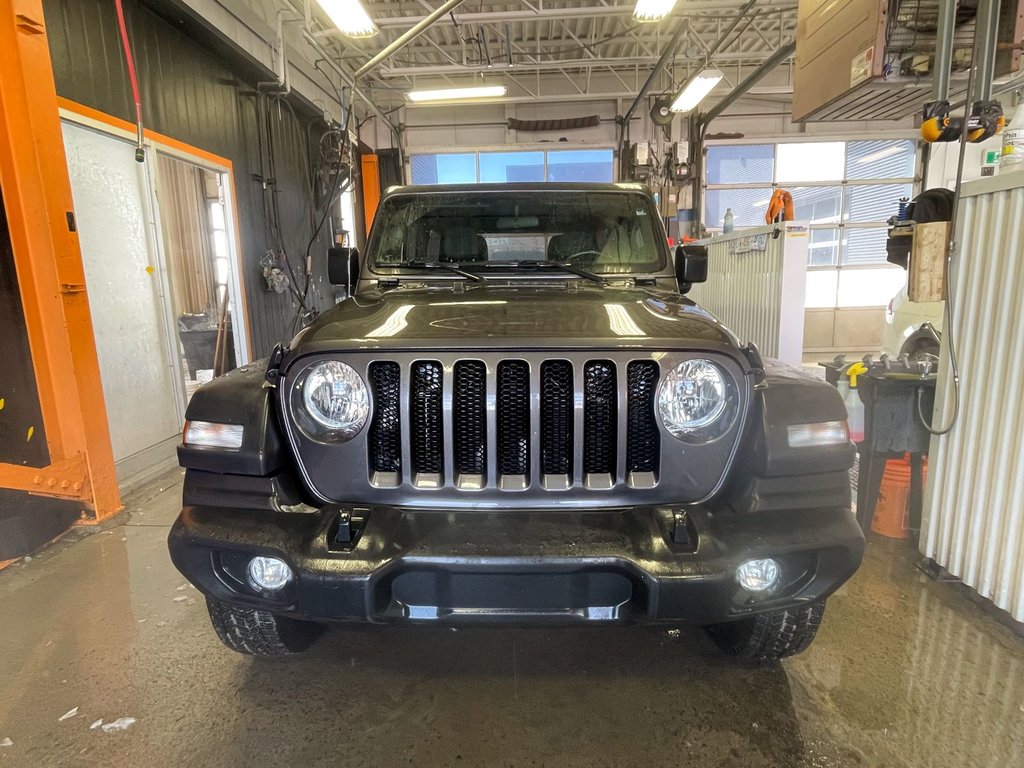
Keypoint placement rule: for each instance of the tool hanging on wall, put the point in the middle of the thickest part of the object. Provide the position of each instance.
(937, 125)
(986, 120)
(780, 207)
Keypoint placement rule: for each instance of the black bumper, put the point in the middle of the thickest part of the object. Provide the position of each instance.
(519, 566)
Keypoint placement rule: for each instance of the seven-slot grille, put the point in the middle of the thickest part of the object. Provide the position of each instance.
(552, 425)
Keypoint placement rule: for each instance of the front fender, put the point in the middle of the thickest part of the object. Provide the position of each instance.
(239, 397)
(769, 473)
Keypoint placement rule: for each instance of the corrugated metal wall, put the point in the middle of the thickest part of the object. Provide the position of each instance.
(974, 503)
(756, 285)
(206, 98)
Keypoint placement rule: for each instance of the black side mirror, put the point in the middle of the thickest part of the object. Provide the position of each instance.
(691, 265)
(343, 267)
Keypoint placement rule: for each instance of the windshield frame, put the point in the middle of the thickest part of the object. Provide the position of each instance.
(372, 269)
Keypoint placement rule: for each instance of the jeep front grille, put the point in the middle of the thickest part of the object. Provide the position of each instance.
(513, 424)
(385, 429)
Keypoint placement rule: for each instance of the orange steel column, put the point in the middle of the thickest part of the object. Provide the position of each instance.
(370, 166)
(37, 197)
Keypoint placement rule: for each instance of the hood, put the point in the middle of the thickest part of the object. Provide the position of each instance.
(485, 316)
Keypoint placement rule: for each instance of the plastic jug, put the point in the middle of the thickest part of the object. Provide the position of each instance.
(1012, 158)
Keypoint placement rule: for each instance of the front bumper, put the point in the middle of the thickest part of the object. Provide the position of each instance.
(518, 566)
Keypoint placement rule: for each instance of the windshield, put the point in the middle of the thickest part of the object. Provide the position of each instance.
(603, 232)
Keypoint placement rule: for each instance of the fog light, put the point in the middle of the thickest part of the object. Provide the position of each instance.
(758, 575)
(269, 573)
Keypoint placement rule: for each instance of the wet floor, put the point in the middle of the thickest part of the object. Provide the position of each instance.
(905, 672)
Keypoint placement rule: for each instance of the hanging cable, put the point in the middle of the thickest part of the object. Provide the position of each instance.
(953, 251)
(140, 148)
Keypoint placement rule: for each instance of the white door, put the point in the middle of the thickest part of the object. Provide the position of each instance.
(127, 299)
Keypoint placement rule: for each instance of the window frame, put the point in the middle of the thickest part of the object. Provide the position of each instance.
(543, 147)
(842, 225)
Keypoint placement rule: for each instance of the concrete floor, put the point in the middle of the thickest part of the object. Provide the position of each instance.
(905, 672)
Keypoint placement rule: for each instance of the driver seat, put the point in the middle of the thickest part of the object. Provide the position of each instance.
(561, 247)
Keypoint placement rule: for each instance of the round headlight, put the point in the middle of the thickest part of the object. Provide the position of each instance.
(693, 399)
(335, 398)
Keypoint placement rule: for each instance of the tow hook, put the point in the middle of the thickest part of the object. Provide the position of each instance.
(681, 533)
(349, 526)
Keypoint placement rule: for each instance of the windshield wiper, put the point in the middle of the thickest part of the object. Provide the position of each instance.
(453, 268)
(539, 263)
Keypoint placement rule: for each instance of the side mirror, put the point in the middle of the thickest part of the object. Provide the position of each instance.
(343, 267)
(691, 265)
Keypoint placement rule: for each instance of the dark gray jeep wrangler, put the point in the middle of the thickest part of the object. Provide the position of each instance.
(517, 417)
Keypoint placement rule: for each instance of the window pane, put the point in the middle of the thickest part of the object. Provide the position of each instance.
(217, 215)
(222, 270)
(821, 288)
(580, 165)
(864, 246)
(817, 205)
(511, 166)
(880, 159)
(813, 161)
(748, 206)
(875, 202)
(823, 248)
(220, 244)
(740, 164)
(869, 287)
(443, 169)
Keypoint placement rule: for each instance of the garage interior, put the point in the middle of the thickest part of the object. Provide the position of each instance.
(174, 175)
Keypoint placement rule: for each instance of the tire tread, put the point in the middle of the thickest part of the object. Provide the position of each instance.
(252, 631)
(768, 637)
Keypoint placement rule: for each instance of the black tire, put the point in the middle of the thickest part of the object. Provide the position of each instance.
(768, 637)
(260, 633)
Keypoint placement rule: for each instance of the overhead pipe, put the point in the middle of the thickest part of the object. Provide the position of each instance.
(984, 56)
(347, 77)
(407, 37)
(943, 62)
(750, 81)
(670, 49)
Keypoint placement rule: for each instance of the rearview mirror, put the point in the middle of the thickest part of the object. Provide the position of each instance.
(691, 265)
(343, 267)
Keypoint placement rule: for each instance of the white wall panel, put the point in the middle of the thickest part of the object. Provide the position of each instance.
(974, 503)
(759, 294)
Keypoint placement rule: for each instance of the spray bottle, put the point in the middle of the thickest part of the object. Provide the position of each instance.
(854, 405)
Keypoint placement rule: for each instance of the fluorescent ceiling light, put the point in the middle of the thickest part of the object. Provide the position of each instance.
(349, 17)
(451, 94)
(653, 10)
(887, 152)
(695, 90)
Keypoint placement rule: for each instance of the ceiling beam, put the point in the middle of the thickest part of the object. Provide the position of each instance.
(694, 7)
(554, 65)
(565, 96)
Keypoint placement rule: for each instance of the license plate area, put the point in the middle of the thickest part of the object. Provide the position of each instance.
(433, 595)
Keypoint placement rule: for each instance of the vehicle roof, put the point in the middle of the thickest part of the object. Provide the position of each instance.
(520, 186)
